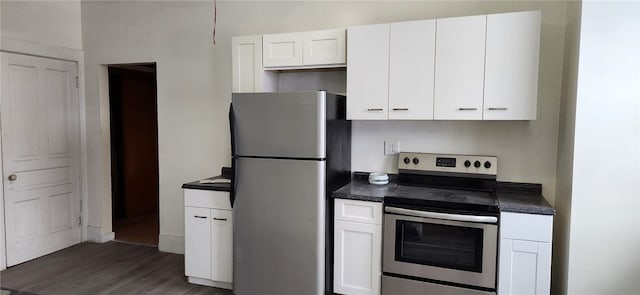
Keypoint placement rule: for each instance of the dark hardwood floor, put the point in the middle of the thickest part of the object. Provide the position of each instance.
(109, 268)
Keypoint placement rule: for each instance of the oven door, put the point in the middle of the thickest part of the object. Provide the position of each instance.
(454, 248)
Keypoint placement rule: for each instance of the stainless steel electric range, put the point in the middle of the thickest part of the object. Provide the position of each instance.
(440, 233)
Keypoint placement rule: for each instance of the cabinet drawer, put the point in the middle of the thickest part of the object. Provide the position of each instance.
(358, 211)
(207, 199)
(529, 227)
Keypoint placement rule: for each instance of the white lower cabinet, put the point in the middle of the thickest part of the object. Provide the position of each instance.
(197, 245)
(357, 248)
(525, 254)
(208, 254)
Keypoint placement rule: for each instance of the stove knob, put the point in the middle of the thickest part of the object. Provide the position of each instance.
(416, 161)
(476, 164)
(467, 163)
(487, 164)
(406, 160)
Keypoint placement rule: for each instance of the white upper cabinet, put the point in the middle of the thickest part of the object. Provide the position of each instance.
(324, 47)
(313, 49)
(282, 50)
(246, 57)
(459, 68)
(411, 70)
(368, 72)
(511, 71)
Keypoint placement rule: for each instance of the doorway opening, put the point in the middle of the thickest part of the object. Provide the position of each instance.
(134, 152)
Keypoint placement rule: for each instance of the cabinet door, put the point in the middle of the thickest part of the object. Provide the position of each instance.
(511, 70)
(459, 69)
(327, 47)
(197, 240)
(221, 245)
(246, 57)
(411, 64)
(368, 72)
(525, 267)
(282, 50)
(357, 258)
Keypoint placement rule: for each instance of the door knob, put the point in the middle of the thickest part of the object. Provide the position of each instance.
(13, 177)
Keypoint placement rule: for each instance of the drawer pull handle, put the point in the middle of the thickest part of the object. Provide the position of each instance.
(222, 219)
(375, 110)
(400, 109)
(198, 216)
(467, 109)
(497, 109)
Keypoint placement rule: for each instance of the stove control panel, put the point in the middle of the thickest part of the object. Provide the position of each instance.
(443, 163)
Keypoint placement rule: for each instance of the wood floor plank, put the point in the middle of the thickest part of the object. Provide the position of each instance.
(108, 268)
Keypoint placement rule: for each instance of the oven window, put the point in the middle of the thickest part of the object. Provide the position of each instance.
(439, 245)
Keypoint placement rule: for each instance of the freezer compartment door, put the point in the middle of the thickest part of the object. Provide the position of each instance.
(279, 234)
(290, 125)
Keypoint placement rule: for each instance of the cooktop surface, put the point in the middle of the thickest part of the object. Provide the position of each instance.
(451, 199)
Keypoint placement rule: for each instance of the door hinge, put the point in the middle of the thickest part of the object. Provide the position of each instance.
(77, 82)
(79, 220)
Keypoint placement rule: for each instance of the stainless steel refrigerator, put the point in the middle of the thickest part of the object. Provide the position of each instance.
(290, 151)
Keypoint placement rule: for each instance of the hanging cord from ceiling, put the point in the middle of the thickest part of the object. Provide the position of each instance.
(215, 11)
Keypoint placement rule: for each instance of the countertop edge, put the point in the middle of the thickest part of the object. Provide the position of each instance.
(525, 201)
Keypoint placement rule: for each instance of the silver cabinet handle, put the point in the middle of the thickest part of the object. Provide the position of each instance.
(12, 177)
(222, 219)
(497, 109)
(445, 216)
(198, 216)
(375, 110)
(400, 109)
(467, 109)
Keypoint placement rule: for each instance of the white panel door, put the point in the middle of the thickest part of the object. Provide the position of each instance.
(246, 57)
(197, 242)
(222, 245)
(326, 47)
(411, 66)
(525, 267)
(40, 139)
(459, 69)
(511, 70)
(357, 258)
(368, 72)
(282, 50)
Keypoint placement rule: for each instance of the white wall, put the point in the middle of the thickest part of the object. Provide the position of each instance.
(52, 22)
(194, 89)
(604, 249)
(566, 138)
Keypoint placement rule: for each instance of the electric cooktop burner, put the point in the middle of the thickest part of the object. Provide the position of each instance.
(446, 183)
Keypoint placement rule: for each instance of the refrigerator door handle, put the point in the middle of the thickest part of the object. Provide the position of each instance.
(232, 129)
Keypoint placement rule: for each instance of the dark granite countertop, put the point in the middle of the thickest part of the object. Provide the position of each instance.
(512, 197)
(522, 198)
(524, 203)
(216, 183)
(364, 191)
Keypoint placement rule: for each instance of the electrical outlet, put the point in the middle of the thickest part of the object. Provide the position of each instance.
(391, 147)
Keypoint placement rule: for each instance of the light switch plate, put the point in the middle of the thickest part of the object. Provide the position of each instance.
(391, 147)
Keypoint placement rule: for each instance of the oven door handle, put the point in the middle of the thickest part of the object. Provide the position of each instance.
(445, 216)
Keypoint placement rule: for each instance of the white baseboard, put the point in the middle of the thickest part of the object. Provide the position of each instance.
(94, 234)
(171, 244)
